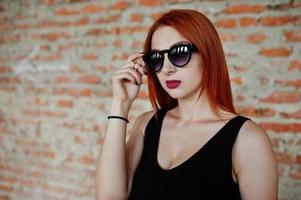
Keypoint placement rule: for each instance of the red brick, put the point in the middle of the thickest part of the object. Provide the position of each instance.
(90, 9)
(256, 38)
(296, 174)
(87, 160)
(9, 80)
(133, 29)
(228, 37)
(62, 79)
(75, 69)
(81, 22)
(90, 56)
(47, 58)
(68, 46)
(40, 153)
(78, 140)
(151, 2)
(120, 5)
(52, 36)
(295, 65)
(45, 47)
(285, 158)
(7, 38)
(65, 12)
(226, 23)
(40, 102)
(237, 80)
(293, 36)
(236, 68)
(247, 21)
(284, 6)
(289, 83)
(6, 26)
(143, 95)
(137, 17)
(86, 93)
(109, 19)
(46, 113)
(117, 43)
(239, 98)
(156, 15)
(123, 56)
(263, 80)
(65, 103)
(51, 23)
(280, 128)
(245, 8)
(8, 179)
(282, 97)
(294, 115)
(137, 44)
(299, 159)
(103, 31)
(5, 69)
(178, 1)
(276, 52)
(2, 9)
(90, 79)
(277, 20)
(6, 188)
(255, 112)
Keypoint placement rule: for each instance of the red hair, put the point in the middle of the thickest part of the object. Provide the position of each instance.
(197, 29)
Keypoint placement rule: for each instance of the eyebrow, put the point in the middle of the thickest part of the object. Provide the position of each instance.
(171, 45)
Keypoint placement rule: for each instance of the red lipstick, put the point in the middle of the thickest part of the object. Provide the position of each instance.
(172, 84)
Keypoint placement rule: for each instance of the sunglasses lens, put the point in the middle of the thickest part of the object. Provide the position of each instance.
(155, 61)
(180, 55)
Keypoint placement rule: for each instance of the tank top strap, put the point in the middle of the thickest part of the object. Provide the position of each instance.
(226, 141)
(152, 130)
(231, 130)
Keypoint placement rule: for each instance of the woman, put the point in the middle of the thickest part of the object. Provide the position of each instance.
(193, 145)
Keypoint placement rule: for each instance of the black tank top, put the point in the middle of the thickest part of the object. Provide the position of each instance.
(207, 174)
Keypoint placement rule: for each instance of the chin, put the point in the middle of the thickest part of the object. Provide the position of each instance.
(176, 94)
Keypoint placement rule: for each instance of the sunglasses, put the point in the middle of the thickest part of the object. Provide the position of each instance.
(179, 55)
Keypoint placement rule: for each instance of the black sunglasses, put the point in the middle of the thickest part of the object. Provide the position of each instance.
(179, 55)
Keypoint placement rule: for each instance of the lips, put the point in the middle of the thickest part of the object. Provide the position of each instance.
(171, 84)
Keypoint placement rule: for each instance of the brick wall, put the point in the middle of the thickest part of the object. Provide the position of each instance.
(56, 60)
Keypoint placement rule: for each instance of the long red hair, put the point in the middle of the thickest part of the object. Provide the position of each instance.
(199, 30)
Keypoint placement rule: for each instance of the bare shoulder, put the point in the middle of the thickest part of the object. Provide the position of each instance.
(254, 158)
(251, 134)
(134, 145)
(141, 121)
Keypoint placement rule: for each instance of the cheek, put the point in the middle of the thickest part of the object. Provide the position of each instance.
(162, 81)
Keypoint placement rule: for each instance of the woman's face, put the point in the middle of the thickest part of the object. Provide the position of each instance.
(190, 75)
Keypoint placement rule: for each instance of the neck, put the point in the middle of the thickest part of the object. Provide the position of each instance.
(194, 109)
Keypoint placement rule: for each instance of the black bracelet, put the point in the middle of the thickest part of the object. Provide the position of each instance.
(125, 119)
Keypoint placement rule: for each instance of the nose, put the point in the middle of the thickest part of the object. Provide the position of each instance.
(168, 68)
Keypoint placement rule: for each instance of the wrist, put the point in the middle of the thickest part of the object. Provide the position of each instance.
(120, 108)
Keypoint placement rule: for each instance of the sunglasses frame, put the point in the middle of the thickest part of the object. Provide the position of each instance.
(192, 47)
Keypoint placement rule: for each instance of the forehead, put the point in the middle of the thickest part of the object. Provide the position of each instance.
(165, 36)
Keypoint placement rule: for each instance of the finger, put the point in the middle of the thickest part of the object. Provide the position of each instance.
(122, 76)
(138, 66)
(134, 57)
(133, 72)
(141, 69)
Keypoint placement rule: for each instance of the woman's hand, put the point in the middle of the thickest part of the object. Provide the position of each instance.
(128, 79)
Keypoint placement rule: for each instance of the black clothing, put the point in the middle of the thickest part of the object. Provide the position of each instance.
(207, 174)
